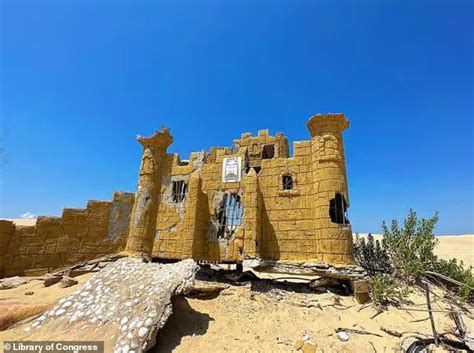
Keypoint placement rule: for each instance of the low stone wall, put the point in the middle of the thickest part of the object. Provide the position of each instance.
(79, 234)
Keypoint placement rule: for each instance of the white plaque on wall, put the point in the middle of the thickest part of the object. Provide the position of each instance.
(231, 169)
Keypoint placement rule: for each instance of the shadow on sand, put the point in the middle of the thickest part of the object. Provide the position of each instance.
(185, 321)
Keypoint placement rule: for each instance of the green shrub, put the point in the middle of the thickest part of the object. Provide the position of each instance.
(372, 255)
(386, 290)
(411, 247)
(458, 272)
(410, 250)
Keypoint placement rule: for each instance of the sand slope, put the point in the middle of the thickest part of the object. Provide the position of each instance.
(258, 317)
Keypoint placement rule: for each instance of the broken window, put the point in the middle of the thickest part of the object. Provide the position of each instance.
(230, 215)
(268, 151)
(287, 182)
(179, 190)
(338, 209)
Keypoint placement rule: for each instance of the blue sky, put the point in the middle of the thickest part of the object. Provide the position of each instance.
(79, 79)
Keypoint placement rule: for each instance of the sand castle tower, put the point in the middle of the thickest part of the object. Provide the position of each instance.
(331, 198)
(145, 209)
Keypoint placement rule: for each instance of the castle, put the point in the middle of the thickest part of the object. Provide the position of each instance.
(226, 205)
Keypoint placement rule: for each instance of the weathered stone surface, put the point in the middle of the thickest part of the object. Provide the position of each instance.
(50, 280)
(78, 235)
(132, 296)
(279, 224)
(145, 209)
(67, 281)
(12, 282)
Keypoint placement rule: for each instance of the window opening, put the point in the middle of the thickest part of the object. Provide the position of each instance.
(338, 209)
(179, 190)
(247, 163)
(268, 151)
(229, 216)
(287, 182)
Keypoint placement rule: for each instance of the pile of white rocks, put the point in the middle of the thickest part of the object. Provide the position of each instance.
(130, 293)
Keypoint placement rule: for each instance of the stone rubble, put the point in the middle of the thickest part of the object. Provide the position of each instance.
(67, 281)
(134, 295)
(343, 336)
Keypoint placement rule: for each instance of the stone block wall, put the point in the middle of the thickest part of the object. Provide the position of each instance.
(288, 216)
(79, 234)
(7, 228)
(278, 224)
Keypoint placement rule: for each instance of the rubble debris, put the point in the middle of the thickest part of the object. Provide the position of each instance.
(207, 290)
(133, 296)
(349, 272)
(360, 332)
(323, 282)
(391, 332)
(463, 332)
(306, 345)
(29, 292)
(361, 291)
(13, 282)
(343, 336)
(50, 280)
(67, 281)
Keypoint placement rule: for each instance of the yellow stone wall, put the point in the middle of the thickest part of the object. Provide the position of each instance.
(76, 236)
(283, 225)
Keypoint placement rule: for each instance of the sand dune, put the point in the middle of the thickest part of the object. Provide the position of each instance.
(23, 222)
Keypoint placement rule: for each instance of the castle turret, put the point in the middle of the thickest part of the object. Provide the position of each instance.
(145, 209)
(331, 198)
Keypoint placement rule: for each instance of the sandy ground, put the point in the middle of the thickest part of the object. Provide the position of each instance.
(40, 292)
(259, 317)
(242, 320)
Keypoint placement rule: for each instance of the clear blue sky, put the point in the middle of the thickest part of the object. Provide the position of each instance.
(79, 79)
